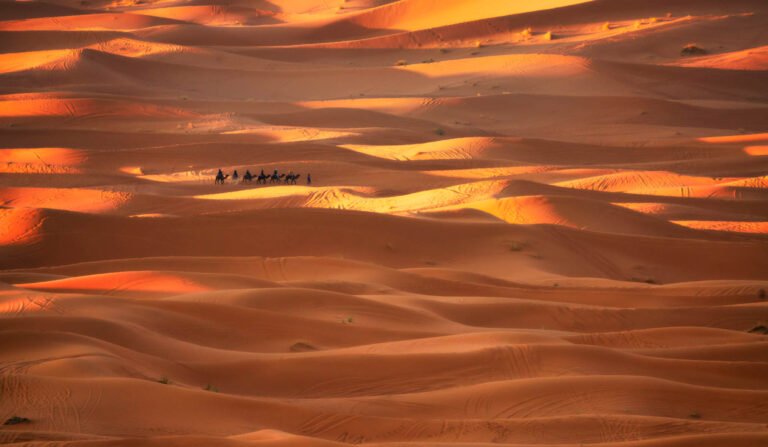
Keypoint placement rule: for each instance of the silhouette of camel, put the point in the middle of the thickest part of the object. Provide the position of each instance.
(291, 178)
(248, 177)
(262, 178)
(276, 178)
(220, 178)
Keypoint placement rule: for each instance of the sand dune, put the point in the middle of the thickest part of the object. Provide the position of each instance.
(528, 223)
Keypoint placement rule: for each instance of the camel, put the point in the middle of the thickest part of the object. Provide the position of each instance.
(220, 177)
(248, 177)
(291, 178)
(276, 178)
(262, 178)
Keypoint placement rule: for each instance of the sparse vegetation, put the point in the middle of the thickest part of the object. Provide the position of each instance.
(695, 415)
(211, 388)
(164, 380)
(347, 320)
(401, 63)
(644, 280)
(515, 246)
(761, 294)
(15, 420)
(759, 329)
(302, 347)
(440, 131)
(692, 50)
(445, 50)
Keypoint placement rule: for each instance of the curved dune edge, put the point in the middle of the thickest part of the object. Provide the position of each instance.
(529, 223)
(739, 227)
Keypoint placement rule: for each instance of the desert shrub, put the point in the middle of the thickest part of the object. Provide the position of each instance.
(761, 294)
(164, 380)
(211, 388)
(695, 415)
(302, 347)
(759, 329)
(401, 63)
(440, 131)
(692, 50)
(644, 280)
(15, 420)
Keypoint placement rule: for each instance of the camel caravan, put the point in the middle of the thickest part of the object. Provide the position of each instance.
(262, 179)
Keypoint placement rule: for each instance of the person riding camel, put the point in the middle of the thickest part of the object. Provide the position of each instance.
(235, 176)
(220, 177)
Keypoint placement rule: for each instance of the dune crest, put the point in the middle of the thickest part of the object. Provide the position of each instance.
(385, 223)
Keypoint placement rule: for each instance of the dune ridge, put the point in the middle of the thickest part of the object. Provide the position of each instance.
(529, 223)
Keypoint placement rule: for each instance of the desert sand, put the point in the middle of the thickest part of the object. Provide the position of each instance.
(531, 223)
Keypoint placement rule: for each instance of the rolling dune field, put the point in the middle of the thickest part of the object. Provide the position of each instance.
(529, 223)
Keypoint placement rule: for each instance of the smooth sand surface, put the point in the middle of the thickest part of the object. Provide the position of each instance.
(531, 223)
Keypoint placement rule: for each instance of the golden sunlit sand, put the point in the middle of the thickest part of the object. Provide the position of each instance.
(529, 223)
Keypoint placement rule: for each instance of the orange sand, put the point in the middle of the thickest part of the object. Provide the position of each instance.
(531, 223)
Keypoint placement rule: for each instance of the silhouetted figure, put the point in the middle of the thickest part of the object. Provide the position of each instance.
(291, 178)
(262, 178)
(309, 179)
(235, 176)
(247, 177)
(220, 177)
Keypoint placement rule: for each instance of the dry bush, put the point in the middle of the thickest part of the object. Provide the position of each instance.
(692, 50)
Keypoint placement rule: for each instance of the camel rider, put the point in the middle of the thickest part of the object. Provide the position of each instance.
(235, 176)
